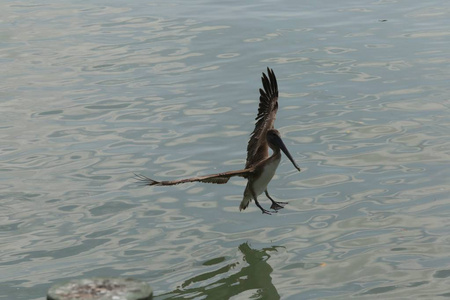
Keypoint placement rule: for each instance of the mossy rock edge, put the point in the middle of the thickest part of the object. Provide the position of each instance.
(101, 289)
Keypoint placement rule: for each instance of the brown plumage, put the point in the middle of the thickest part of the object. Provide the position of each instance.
(219, 178)
(257, 148)
(259, 167)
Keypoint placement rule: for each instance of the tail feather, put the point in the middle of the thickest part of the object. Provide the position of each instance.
(244, 203)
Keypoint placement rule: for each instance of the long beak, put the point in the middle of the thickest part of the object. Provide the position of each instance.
(282, 146)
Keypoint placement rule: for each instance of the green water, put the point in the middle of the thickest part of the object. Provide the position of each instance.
(94, 92)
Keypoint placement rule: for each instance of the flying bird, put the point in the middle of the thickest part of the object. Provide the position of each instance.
(259, 167)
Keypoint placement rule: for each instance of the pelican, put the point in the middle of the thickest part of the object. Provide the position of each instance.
(259, 167)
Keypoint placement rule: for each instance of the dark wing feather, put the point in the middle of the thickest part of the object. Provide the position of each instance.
(219, 178)
(257, 148)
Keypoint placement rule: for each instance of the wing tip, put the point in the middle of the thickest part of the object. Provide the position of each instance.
(269, 83)
(145, 180)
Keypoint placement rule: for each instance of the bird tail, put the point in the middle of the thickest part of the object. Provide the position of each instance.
(245, 202)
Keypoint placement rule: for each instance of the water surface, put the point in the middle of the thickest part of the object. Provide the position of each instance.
(92, 92)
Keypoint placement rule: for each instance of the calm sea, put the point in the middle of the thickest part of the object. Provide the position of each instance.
(94, 91)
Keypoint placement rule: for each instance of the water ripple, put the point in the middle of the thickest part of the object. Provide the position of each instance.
(94, 93)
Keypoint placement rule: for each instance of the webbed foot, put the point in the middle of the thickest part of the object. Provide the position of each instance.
(277, 205)
(265, 211)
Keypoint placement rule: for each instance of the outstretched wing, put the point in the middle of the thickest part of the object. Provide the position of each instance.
(219, 178)
(257, 148)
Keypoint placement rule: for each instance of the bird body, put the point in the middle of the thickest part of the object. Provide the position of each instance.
(261, 180)
(259, 167)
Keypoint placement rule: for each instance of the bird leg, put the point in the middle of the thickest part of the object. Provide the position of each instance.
(264, 211)
(275, 205)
